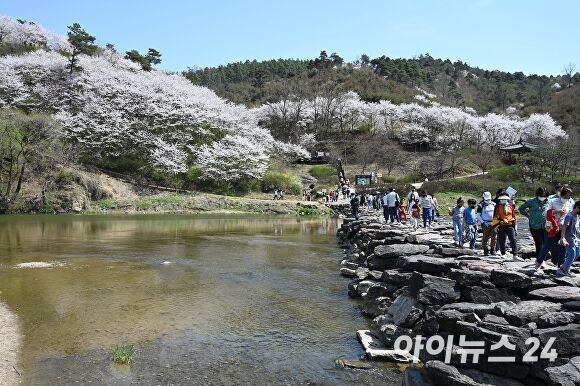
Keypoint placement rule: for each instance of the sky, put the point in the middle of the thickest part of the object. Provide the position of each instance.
(533, 36)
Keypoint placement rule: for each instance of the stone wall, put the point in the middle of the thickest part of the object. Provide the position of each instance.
(415, 283)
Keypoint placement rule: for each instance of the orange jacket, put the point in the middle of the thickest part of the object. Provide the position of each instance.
(503, 219)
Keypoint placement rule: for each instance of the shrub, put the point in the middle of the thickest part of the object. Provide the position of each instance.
(93, 186)
(64, 177)
(505, 173)
(321, 171)
(407, 179)
(388, 179)
(288, 182)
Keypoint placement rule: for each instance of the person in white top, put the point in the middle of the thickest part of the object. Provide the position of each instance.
(434, 208)
(390, 202)
(412, 198)
(426, 204)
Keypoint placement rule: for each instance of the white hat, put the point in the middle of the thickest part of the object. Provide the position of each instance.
(503, 197)
(486, 195)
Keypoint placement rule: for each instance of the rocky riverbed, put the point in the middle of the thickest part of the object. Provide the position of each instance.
(416, 284)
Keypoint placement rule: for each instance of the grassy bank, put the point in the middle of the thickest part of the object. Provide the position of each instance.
(203, 203)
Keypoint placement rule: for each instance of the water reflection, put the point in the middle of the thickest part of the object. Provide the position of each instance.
(268, 285)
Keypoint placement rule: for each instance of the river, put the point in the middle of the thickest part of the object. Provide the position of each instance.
(204, 300)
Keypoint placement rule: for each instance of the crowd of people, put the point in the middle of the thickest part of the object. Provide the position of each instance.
(553, 221)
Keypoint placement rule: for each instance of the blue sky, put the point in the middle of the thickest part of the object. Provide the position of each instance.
(533, 36)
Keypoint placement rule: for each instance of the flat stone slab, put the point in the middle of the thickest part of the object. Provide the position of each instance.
(573, 305)
(567, 338)
(529, 311)
(396, 250)
(375, 350)
(347, 272)
(558, 294)
(570, 281)
(353, 364)
(427, 264)
(566, 375)
(483, 266)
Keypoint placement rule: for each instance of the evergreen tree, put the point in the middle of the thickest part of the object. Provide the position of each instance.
(81, 42)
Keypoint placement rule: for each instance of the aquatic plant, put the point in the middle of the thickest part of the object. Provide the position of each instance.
(123, 355)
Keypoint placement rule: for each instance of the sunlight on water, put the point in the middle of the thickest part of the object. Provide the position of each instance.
(237, 294)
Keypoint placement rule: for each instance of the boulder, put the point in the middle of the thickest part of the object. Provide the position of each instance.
(529, 311)
(415, 377)
(393, 276)
(567, 338)
(363, 286)
(349, 264)
(347, 272)
(362, 273)
(442, 374)
(573, 305)
(378, 263)
(455, 252)
(483, 378)
(427, 264)
(528, 251)
(430, 324)
(352, 288)
(510, 279)
(447, 319)
(483, 266)
(390, 332)
(541, 282)
(495, 319)
(565, 375)
(569, 281)
(559, 294)
(488, 295)
(433, 290)
(397, 250)
(491, 333)
(374, 307)
(466, 277)
(425, 238)
(381, 289)
(405, 311)
(480, 309)
(553, 319)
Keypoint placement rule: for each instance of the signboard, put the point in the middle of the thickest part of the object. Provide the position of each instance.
(363, 179)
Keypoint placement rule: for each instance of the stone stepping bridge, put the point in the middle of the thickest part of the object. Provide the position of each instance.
(415, 283)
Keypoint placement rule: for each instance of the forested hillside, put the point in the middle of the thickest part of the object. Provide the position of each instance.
(451, 83)
(67, 103)
(100, 108)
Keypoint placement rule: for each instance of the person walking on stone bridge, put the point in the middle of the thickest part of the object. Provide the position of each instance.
(534, 209)
(504, 218)
(485, 211)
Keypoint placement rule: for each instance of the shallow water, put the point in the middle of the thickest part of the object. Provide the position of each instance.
(205, 300)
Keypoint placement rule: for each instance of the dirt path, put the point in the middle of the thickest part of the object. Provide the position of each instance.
(418, 185)
(9, 345)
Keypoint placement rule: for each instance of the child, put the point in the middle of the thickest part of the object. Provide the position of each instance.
(470, 218)
(415, 215)
(403, 211)
(457, 216)
(571, 240)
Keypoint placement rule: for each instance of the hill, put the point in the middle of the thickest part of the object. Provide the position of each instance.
(454, 84)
